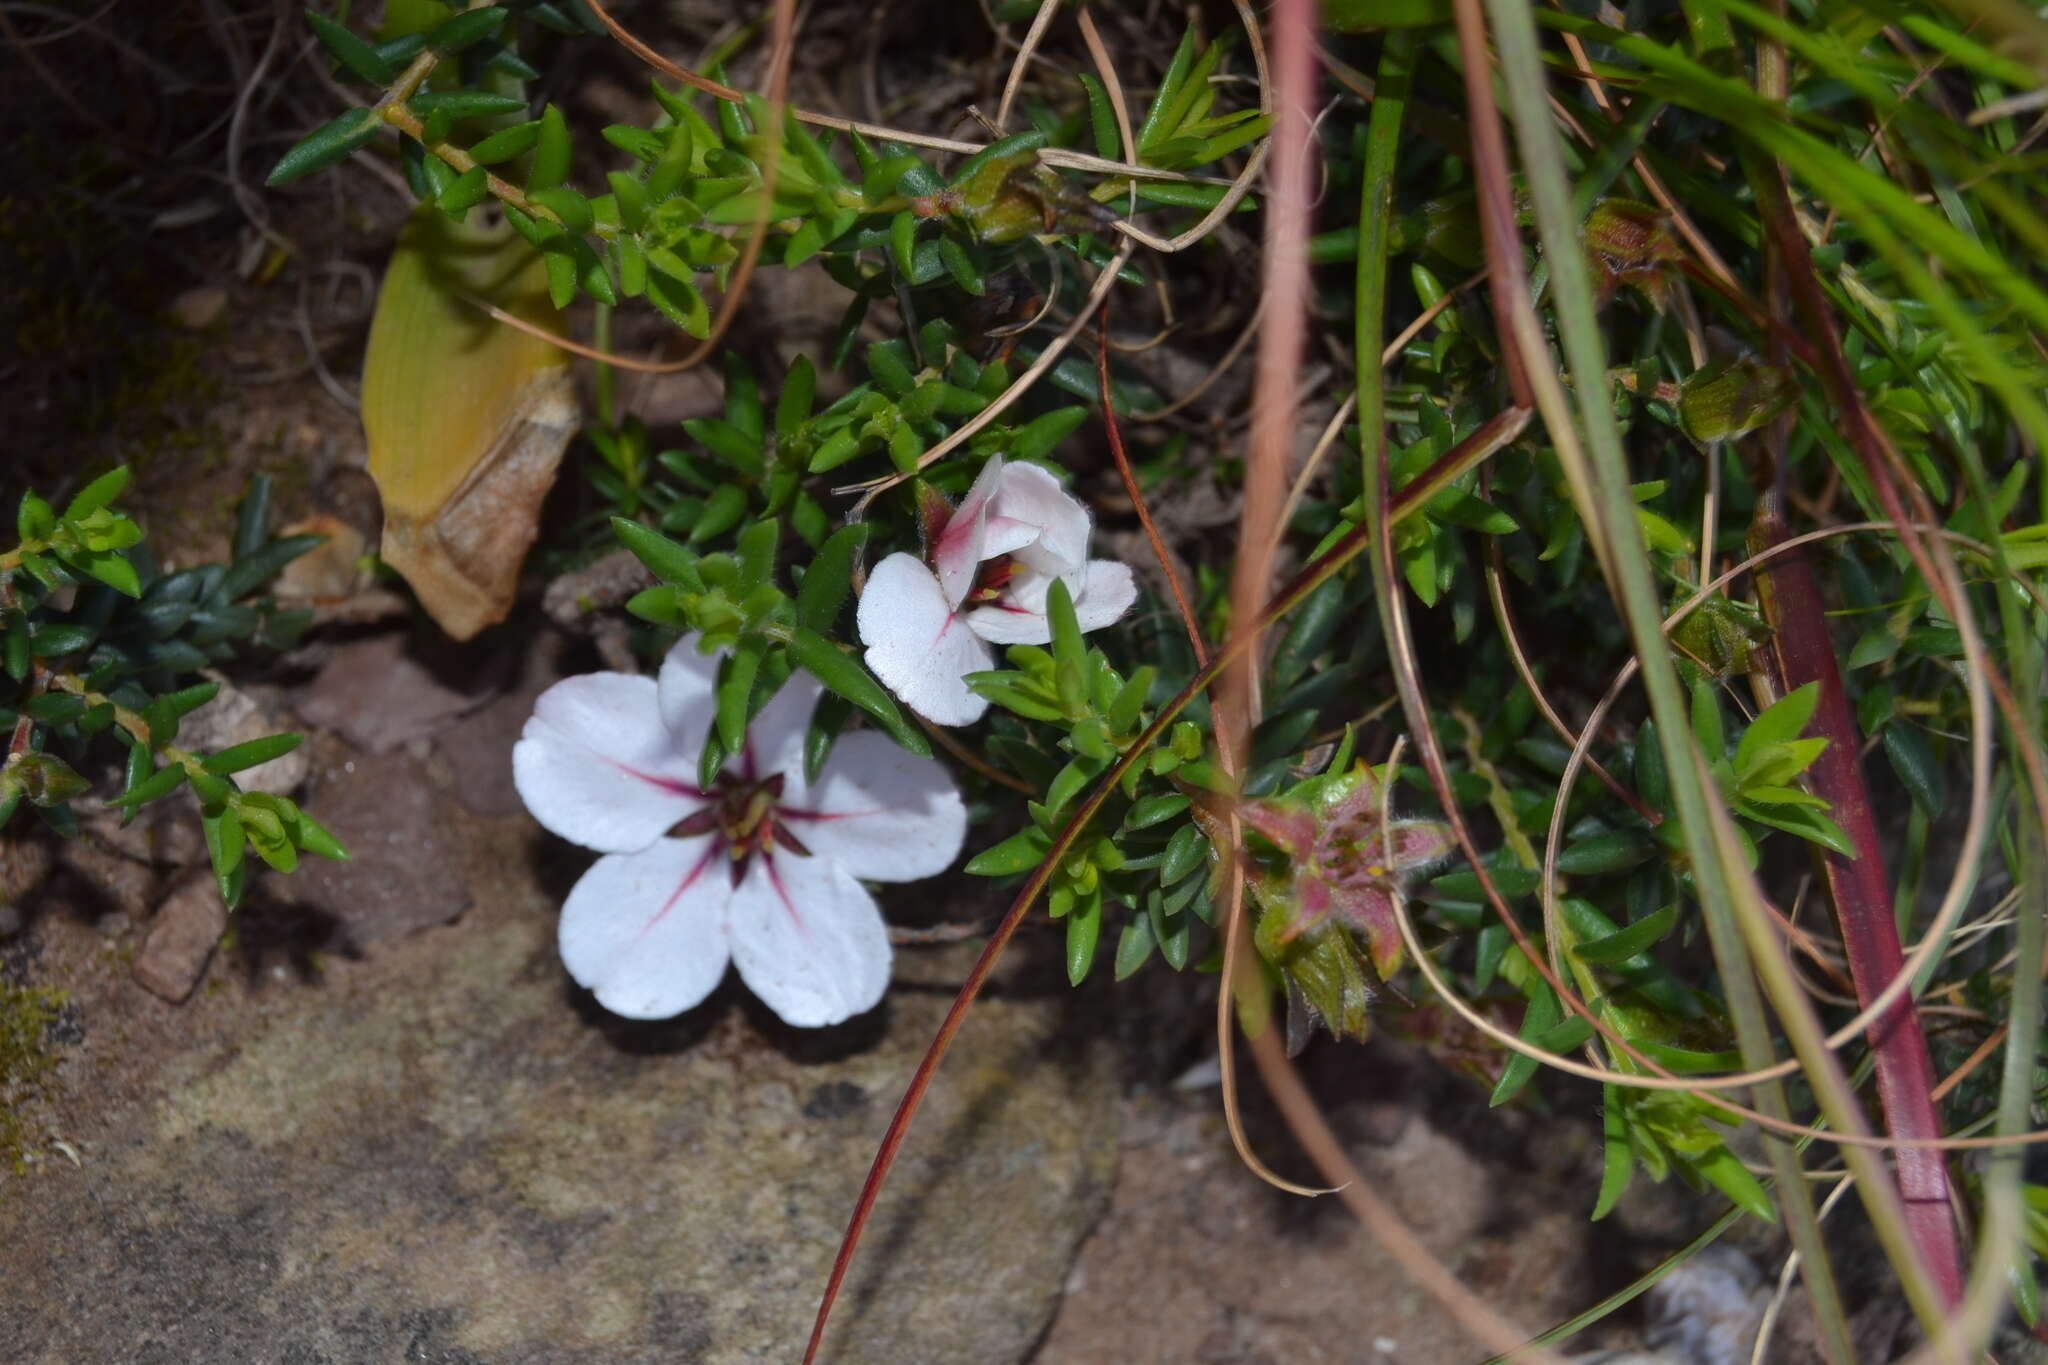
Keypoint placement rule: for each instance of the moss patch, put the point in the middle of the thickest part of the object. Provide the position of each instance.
(27, 1054)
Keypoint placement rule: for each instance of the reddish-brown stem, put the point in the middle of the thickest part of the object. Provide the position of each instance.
(1505, 277)
(1490, 437)
(1862, 896)
(1137, 495)
(1859, 887)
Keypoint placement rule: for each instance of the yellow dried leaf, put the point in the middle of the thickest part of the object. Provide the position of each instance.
(466, 417)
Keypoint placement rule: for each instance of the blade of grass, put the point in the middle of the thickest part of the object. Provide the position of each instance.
(1605, 501)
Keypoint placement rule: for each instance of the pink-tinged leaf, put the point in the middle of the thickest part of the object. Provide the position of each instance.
(1419, 844)
(1287, 825)
(1368, 908)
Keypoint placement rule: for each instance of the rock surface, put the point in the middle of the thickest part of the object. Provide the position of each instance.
(439, 1150)
(402, 872)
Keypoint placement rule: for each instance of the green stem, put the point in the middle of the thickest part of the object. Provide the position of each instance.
(1601, 486)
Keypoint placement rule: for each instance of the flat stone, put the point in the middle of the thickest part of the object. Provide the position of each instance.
(446, 1154)
(404, 870)
(477, 749)
(384, 691)
(182, 938)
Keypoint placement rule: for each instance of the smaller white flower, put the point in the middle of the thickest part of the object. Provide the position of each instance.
(764, 870)
(992, 564)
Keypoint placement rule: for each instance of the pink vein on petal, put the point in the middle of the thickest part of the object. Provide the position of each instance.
(782, 893)
(655, 779)
(688, 881)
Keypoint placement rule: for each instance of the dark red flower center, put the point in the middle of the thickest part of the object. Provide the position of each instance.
(744, 813)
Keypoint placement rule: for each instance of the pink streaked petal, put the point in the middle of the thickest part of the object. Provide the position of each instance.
(916, 644)
(961, 546)
(1008, 622)
(596, 766)
(688, 684)
(1109, 592)
(808, 940)
(646, 931)
(882, 814)
(1033, 496)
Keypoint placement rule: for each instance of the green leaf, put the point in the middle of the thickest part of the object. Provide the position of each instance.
(828, 719)
(1185, 852)
(551, 151)
(362, 60)
(736, 674)
(250, 753)
(728, 442)
(97, 494)
(1604, 854)
(1084, 931)
(1913, 761)
(960, 265)
(1808, 824)
(1783, 720)
(1636, 938)
(160, 783)
(1154, 125)
(1039, 437)
(1619, 1163)
(1069, 651)
(842, 674)
(56, 637)
(1019, 853)
(1155, 809)
(326, 145)
(467, 29)
(461, 104)
(1541, 1016)
(668, 561)
(793, 404)
(506, 143)
(571, 208)
(225, 842)
(1134, 947)
(1706, 720)
(829, 579)
(1725, 1171)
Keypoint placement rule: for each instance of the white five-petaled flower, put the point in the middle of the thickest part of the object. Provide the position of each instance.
(992, 564)
(763, 870)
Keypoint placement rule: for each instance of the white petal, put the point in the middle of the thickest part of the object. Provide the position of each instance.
(960, 548)
(916, 644)
(1008, 622)
(647, 931)
(808, 940)
(775, 741)
(1110, 592)
(688, 695)
(1032, 495)
(880, 813)
(596, 766)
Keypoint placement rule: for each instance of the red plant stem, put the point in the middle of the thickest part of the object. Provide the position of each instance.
(1860, 888)
(1861, 891)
